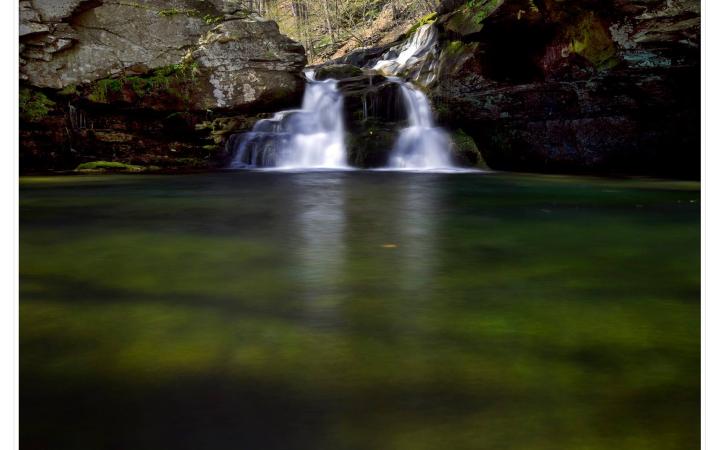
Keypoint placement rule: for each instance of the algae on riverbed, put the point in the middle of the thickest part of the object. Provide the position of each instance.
(266, 310)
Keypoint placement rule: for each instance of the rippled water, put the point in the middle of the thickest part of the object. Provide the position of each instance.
(359, 310)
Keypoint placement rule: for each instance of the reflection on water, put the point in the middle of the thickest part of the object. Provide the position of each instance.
(416, 227)
(318, 208)
(359, 310)
(406, 234)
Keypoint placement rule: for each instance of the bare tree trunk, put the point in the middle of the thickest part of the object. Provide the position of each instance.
(328, 22)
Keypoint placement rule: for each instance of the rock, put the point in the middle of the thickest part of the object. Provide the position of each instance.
(369, 146)
(131, 81)
(114, 36)
(337, 71)
(365, 56)
(108, 166)
(243, 62)
(374, 113)
(465, 151)
(30, 22)
(565, 87)
(56, 10)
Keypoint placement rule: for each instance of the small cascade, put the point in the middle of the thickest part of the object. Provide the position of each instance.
(311, 137)
(421, 145)
(414, 59)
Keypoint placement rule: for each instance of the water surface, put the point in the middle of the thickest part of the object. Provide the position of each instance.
(359, 310)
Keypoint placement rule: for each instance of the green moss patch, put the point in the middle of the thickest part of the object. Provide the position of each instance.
(590, 39)
(34, 105)
(479, 10)
(425, 20)
(108, 166)
(173, 79)
(466, 149)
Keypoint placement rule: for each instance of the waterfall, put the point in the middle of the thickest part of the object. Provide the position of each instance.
(421, 145)
(311, 137)
(414, 52)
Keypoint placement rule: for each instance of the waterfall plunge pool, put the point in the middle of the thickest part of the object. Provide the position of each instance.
(359, 310)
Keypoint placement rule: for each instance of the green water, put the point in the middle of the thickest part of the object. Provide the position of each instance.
(359, 310)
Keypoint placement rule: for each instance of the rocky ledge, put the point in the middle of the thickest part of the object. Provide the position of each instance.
(146, 81)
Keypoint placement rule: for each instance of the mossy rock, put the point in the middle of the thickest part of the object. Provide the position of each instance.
(175, 80)
(370, 146)
(469, 19)
(108, 166)
(34, 105)
(455, 54)
(466, 151)
(590, 38)
(337, 72)
(425, 20)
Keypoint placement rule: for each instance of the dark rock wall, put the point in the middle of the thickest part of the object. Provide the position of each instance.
(589, 86)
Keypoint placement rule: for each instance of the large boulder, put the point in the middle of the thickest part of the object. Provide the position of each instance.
(136, 69)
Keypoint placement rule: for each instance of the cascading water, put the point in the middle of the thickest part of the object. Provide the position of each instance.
(413, 58)
(421, 145)
(311, 137)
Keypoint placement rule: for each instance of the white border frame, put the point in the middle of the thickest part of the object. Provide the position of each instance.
(9, 351)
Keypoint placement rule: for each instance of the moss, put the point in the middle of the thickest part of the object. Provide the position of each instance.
(162, 79)
(479, 10)
(103, 166)
(176, 11)
(209, 19)
(469, 19)
(590, 39)
(425, 20)
(68, 90)
(454, 47)
(102, 87)
(466, 150)
(34, 105)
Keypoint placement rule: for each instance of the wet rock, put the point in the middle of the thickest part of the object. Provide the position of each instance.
(370, 145)
(465, 151)
(337, 71)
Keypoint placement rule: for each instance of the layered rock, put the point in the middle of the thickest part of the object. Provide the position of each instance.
(599, 86)
(144, 75)
(587, 86)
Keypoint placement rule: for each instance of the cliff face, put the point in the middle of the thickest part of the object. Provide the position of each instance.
(601, 86)
(146, 81)
(582, 86)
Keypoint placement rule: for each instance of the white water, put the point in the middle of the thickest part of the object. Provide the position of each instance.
(312, 137)
(421, 145)
(409, 53)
